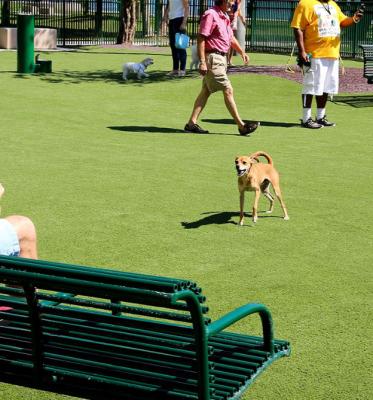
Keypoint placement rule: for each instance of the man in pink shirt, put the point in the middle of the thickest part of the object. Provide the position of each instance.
(214, 40)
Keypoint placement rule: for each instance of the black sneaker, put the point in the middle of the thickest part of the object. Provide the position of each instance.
(194, 128)
(248, 128)
(324, 122)
(311, 124)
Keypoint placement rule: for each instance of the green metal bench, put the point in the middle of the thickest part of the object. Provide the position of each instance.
(368, 61)
(69, 328)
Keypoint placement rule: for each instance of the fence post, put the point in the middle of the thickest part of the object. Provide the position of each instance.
(98, 18)
(157, 19)
(144, 17)
(63, 23)
(251, 16)
(25, 43)
(5, 13)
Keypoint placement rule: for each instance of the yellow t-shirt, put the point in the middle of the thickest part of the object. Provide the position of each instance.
(320, 23)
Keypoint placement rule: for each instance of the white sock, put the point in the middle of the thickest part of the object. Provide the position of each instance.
(306, 114)
(320, 113)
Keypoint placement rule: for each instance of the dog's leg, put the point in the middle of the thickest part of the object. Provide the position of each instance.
(265, 189)
(242, 201)
(255, 206)
(125, 72)
(271, 199)
(276, 188)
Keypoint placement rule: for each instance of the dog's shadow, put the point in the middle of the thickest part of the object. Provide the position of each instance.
(212, 218)
(222, 218)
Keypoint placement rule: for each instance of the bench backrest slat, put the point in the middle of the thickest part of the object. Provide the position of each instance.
(71, 271)
(114, 293)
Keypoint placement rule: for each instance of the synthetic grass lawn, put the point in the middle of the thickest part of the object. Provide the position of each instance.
(109, 179)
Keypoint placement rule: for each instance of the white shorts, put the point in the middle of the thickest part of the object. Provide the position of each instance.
(9, 244)
(321, 77)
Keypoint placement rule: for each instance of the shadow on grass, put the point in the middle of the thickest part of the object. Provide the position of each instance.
(262, 123)
(148, 129)
(222, 218)
(105, 75)
(160, 129)
(78, 389)
(354, 101)
(212, 218)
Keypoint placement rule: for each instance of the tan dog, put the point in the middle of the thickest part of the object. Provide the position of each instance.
(256, 176)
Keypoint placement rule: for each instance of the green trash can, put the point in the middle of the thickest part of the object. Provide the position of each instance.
(25, 43)
(42, 66)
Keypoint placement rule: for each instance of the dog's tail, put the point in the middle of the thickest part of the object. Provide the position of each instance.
(255, 156)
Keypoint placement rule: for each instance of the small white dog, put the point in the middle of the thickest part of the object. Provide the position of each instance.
(195, 59)
(137, 68)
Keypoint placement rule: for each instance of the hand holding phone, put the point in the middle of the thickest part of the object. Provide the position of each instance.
(359, 13)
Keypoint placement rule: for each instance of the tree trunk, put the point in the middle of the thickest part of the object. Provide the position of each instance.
(127, 22)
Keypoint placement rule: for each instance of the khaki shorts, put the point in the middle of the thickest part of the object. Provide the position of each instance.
(216, 77)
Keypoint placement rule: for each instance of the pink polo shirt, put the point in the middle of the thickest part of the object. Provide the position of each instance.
(216, 28)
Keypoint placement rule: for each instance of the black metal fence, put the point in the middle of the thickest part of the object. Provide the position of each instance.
(78, 22)
(269, 26)
(88, 22)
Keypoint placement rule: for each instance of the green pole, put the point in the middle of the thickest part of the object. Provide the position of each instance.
(25, 43)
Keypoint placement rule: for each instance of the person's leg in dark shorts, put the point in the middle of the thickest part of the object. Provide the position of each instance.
(179, 56)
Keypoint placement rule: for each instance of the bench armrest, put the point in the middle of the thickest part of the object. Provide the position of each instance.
(242, 312)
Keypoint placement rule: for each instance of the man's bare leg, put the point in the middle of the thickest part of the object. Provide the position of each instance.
(199, 105)
(26, 233)
(232, 108)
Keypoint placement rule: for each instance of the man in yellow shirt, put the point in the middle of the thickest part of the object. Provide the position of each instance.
(317, 26)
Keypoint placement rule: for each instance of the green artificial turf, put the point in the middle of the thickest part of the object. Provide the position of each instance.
(109, 178)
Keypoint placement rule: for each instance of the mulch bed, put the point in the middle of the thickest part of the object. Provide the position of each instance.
(351, 82)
